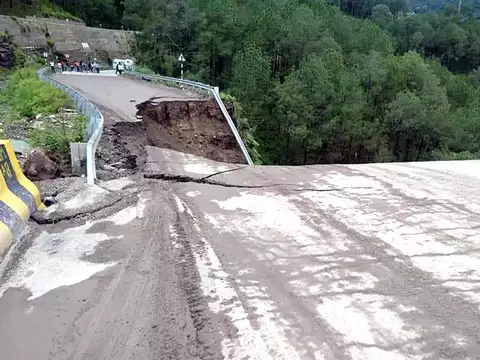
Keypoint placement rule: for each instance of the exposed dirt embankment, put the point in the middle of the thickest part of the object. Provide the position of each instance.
(191, 126)
(196, 127)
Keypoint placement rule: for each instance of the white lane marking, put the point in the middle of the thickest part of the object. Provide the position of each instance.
(247, 343)
(56, 260)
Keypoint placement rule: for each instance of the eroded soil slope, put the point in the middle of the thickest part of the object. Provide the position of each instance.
(196, 127)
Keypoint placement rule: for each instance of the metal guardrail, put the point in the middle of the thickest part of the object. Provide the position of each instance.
(212, 91)
(94, 128)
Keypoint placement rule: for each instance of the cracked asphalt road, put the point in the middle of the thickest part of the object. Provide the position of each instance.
(222, 261)
(120, 95)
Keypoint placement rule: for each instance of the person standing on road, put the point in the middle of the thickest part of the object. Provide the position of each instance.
(52, 66)
(120, 68)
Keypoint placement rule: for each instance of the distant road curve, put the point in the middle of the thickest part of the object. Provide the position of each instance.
(119, 94)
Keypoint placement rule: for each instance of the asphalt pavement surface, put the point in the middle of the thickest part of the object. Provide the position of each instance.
(120, 95)
(222, 261)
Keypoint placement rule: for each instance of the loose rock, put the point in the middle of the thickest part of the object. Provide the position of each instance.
(38, 166)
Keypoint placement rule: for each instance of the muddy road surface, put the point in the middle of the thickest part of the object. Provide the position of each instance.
(210, 261)
(224, 261)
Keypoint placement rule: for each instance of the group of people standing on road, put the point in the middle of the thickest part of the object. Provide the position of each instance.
(78, 66)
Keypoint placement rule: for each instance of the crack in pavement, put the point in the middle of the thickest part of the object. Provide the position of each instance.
(205, 180)
(223, 172)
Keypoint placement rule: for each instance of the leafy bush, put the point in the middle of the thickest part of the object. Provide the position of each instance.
(244, 128)
(19, 57)
(28, 96)
(144, 70)
(57, 136)
(447, 155)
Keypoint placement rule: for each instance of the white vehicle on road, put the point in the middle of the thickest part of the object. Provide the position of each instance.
(127, 63)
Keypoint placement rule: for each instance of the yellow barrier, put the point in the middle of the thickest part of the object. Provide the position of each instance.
(19, 197)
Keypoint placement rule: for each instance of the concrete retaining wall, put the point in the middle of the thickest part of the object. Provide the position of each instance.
(19, 198)
(68, 36)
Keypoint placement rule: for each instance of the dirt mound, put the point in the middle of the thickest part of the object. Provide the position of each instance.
(196, 127)
(122, 146)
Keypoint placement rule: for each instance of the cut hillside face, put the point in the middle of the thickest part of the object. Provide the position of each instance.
(69, 36)
(194, 127)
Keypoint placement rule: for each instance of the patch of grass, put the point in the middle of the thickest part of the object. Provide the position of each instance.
(49, 10)
(144, 70)
(28, 96)
(46, 9)
(244, 127)
(6, 36)
(57, 136)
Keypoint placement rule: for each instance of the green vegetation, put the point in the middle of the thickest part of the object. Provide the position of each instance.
(43, 8)
(144, 70)
(51, 10)
(246, 131)
(57, 136)
(28, 96)
(25, 96)
(320, 81)
(320, 86)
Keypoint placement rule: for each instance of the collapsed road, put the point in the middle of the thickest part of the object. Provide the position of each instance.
(208, 260)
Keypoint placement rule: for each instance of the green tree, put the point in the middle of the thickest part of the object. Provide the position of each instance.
(382, 16)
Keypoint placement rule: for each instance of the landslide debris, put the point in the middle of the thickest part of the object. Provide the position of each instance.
(195, 127)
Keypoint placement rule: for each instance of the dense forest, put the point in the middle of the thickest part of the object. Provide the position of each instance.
(319, 81)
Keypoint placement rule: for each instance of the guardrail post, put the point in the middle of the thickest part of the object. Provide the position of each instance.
(77, 155)
(94, 126)
(233, 128)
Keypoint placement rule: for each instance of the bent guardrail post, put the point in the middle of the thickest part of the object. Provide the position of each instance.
(233, 128)
(214, 92)
(95, 122)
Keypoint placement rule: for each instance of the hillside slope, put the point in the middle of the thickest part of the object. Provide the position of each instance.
(68, 36)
